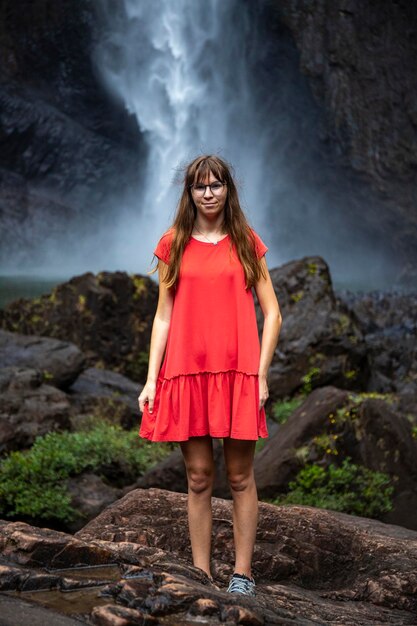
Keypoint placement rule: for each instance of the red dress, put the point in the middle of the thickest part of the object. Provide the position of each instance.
(208, 381)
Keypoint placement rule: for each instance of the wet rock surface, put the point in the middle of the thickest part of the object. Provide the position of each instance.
(357, 341)
(369, 430)
(106, 393)
(29, 407)
(388, 322)
(60, 361)
(318, 335)
(68, 148)
(107, 315)
(311, 566)
(353, 54)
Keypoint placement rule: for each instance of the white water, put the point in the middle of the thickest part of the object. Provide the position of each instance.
(181, 67)
(200, 77)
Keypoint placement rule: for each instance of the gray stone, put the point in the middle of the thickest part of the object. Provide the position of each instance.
(60, 362)
(29, 408)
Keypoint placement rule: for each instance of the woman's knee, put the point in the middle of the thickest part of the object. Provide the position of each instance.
(199, 463)
(240, 481)
(200, 479)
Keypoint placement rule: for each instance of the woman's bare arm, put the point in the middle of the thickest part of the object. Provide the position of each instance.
(272, 325)
(159, 336)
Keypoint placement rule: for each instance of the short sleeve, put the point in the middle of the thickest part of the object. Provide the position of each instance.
(163, 247)
(261, 248)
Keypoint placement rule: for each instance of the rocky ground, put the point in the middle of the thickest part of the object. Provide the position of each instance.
(350, 358)
(311, 566)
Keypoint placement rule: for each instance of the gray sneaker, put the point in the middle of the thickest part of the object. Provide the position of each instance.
(239, 583)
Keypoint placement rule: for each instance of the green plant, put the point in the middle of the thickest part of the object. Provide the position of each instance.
(296, 297)
(307, 380)
(350, 488)
(326, 443)
(259, 445)
(312, 268)
(282, 409)
(33, 482)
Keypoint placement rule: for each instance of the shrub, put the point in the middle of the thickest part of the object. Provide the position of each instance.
(33, 482)
(284, 408)
(350, 488)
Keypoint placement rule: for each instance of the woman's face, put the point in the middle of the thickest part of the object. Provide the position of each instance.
(210, 204)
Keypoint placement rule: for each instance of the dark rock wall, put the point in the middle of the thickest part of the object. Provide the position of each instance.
(66, 147)
(46, 46)
(360, 58)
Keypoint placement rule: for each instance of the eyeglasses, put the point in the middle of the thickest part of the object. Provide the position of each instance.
(216, 188)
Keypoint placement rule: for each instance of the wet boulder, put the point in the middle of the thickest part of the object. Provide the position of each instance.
(333, 424)
(107, 393)
(90, 494)
(320, 341)
(388, 321)
(107, 315)
(29, 408)
(60, 362)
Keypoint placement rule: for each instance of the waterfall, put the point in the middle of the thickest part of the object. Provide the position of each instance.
(207, 76)
(182, 69)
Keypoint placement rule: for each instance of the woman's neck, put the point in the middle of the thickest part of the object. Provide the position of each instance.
(210, 228)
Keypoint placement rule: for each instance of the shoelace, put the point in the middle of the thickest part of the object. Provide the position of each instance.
(240, 585)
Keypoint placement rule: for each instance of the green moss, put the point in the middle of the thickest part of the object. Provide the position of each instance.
(295, 297)
(342, 325)
(308, 379)
(81, 304)
(316, 357)
(53, 296)
(359, 397)
(345, 413)
(351, 374)
(259, 445)
(312, 268)
(137, 365)
(139, 285)
(302, 453)
(326, 443)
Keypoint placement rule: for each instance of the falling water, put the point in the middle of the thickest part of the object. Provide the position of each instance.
(182, 69)
(205, 76)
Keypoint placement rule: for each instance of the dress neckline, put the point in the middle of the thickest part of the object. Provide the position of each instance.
(211, 243)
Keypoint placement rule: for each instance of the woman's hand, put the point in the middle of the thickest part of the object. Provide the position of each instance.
(263, 391)
(147, 396)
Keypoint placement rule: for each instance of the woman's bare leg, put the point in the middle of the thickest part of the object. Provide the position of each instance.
(238, 455)
(199, 463)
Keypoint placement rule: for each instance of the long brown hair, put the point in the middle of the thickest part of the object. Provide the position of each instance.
(235, 223)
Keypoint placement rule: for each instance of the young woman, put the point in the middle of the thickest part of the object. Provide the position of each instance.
(213, 378)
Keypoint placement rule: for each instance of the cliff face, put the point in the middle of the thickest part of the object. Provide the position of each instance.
(66, 147)
(360, 58)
